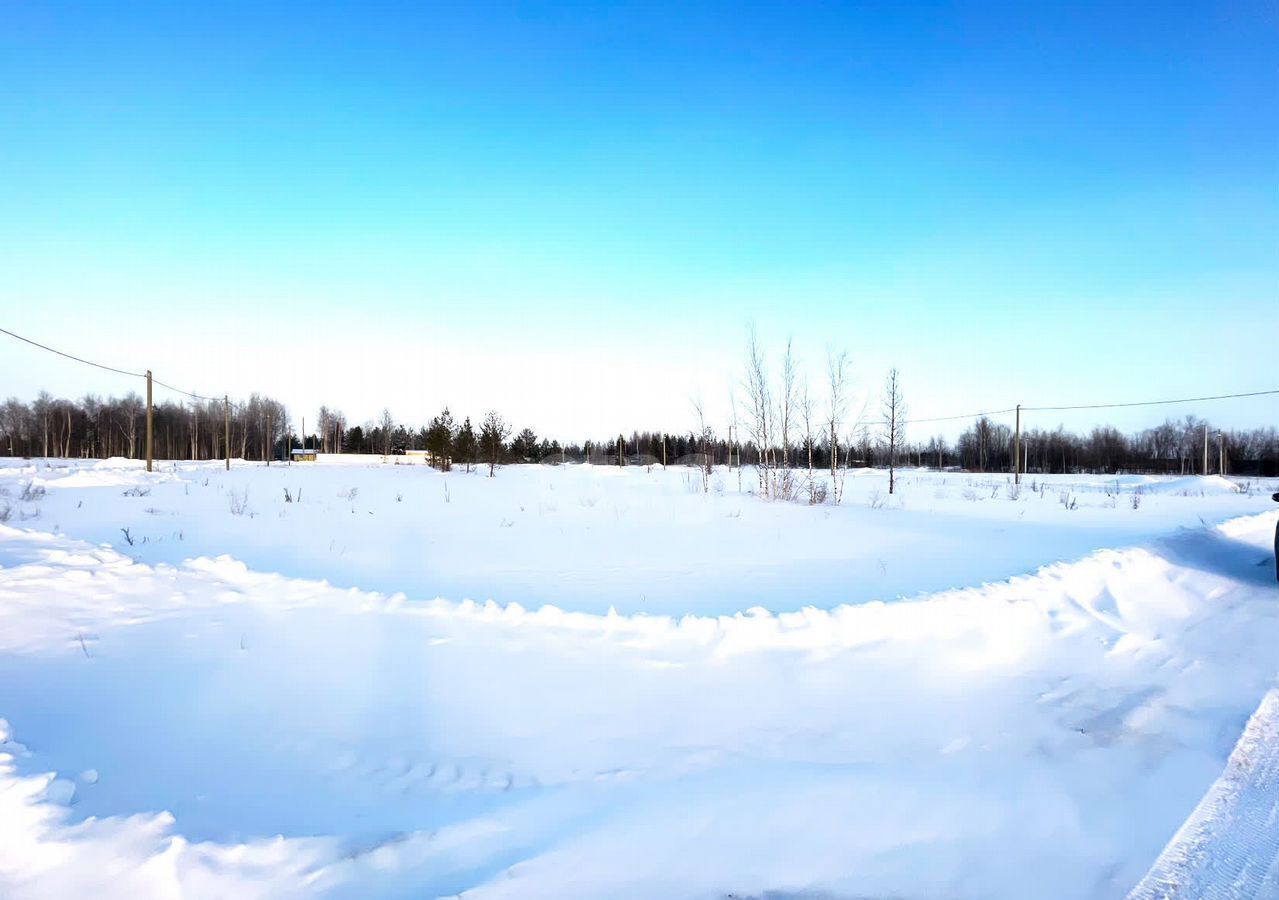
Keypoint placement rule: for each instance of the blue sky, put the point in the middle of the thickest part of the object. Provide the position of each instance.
(570, 211)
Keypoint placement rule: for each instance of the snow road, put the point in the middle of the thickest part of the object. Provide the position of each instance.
(206, 730)
(1229, 847)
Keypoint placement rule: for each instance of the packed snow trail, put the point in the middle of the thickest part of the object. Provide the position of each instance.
(1229, 847)
(1041, 737)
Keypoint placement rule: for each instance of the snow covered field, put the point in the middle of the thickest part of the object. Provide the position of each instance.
(957, 691)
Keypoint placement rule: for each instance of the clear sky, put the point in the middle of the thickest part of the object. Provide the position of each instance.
(569, 211)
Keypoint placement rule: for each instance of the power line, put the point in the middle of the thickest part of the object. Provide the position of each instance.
(976, 415)
(1146, 402)
(188, 393)
(87, 362)
(996, 412)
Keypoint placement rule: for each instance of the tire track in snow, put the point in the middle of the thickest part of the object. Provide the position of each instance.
(1228, 849)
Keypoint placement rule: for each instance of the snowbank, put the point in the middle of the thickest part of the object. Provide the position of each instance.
(1194, 485)
(1041, 736)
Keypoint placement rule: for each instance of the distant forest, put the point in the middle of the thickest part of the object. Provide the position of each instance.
(260, 428)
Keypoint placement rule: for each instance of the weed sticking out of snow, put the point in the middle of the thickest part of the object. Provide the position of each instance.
(31, 491)
(238, 501)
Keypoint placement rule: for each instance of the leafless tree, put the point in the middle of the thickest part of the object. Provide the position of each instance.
(324, 423)
(734, 437)
(788, 403)
(894, 409)
(387, 423)
(837, 408)
(810, 440)
(705, 435)
(130, 409)
(759, 408)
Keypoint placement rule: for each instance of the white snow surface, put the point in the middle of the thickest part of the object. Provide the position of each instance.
(953, 692)
(1229, 847)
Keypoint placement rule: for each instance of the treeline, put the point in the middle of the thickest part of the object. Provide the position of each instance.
(985, 446)
(260, 428)
(1176, 447)
(97, 427)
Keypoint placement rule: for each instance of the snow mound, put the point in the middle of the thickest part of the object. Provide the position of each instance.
(1194, 486)
(113, 463)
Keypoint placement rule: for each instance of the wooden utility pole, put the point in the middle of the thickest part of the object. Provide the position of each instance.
(269, 450)
(621, 451)
(226, 424)
(663, 450)
(1017, 448)
(148, 420)
(1205, 449)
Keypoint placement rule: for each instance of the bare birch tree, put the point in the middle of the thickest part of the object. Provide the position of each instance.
(788, 403)
(894, 410)
(810, 440)
(837, 401)
(759, 407)
(387, 424)
(704, 434)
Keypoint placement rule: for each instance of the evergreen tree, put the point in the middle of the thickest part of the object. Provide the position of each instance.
(524, 447)
(439, 440)
(493, 432)
(465, 444)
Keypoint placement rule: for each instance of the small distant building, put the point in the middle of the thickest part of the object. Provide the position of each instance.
(300, 455)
